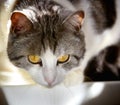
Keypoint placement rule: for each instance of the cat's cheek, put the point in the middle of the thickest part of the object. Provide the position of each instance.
(74, 77)
(61, 73)
(36, 74)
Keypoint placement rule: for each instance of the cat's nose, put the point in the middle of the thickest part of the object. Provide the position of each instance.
(49, 81)
(49, 75)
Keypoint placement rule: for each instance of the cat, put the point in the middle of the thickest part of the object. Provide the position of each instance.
(41, 41)
(51, 40)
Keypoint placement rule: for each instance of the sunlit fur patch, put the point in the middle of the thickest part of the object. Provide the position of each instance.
(32, 12)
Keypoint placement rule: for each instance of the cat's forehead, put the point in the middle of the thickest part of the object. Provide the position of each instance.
(35, 11)
(39, 13)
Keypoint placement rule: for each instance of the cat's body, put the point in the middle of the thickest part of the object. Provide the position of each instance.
(102, 31)
(106, 65)
(49, 30)
(102, 24)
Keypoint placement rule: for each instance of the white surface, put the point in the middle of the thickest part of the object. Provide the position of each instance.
(59, 95)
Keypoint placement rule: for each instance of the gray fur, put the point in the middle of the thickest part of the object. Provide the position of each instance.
(59, 30)
(52, 31)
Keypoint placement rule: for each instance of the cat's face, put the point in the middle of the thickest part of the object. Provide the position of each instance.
(48, 47)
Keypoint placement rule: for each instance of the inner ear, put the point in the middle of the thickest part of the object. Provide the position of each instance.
(20, 23)
(76, 19)
(79, 15)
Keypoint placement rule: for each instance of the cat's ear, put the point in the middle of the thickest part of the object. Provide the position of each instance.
(76, 19)
(20, 23)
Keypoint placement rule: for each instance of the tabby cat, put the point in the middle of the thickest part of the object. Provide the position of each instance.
(49, 39)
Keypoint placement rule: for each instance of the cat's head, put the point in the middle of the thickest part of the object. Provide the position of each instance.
(47, 43)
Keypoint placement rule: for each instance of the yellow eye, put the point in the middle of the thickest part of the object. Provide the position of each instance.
(35, 59)
(63, 59)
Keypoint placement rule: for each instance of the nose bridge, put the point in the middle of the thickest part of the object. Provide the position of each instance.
(49, 59)
(49, 75)
(49, 67)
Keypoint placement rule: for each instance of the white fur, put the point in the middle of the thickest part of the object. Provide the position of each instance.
(95, 42)
(55, 8)
(49, 66)
(31, 15)
(49, 72)
(28, 12)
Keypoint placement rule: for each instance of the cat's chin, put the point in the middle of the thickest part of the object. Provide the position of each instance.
(47, 86)
(72, 78)
(44, 84)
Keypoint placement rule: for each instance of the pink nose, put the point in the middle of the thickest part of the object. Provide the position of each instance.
(49, 81)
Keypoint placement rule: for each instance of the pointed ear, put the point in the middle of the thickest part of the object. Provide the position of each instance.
(76, 20)
(20, 23)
